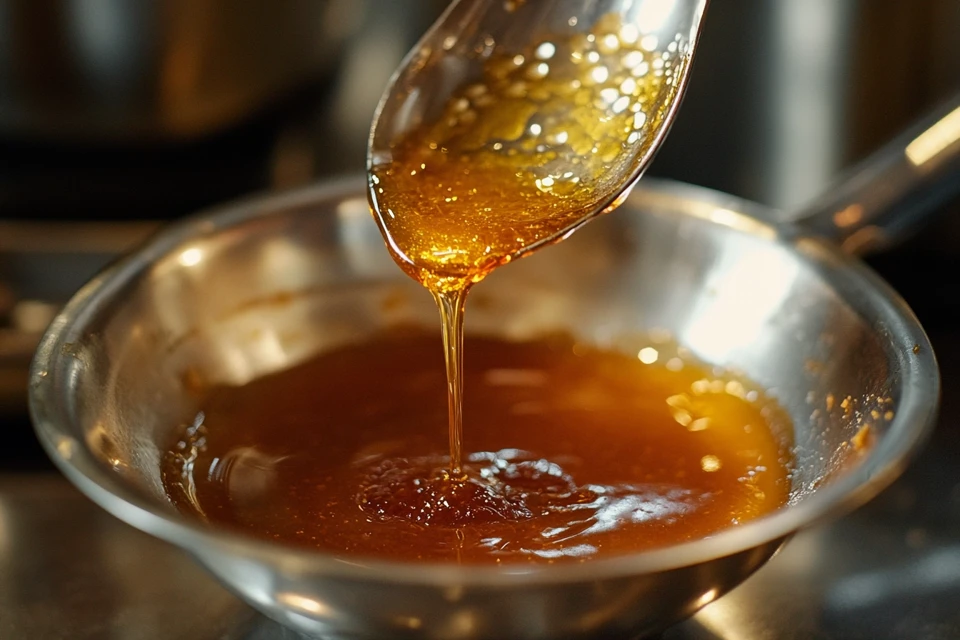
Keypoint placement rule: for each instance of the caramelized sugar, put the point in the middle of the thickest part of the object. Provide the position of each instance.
(517, 159)
(571, 453)
(524, 153)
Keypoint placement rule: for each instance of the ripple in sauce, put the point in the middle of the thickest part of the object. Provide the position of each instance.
(571, 453)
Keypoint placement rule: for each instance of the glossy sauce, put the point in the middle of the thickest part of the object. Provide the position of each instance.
(571, 453)
(516, 160)
(523, 153)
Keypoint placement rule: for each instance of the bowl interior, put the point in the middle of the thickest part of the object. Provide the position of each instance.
(255, 288)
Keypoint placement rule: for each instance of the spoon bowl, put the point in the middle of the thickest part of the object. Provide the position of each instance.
(512, 123)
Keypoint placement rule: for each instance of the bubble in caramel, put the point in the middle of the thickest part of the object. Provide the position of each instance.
(525, 152)
(570, 453)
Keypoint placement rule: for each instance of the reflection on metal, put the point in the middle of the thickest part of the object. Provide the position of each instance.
(707, 598)
(849, 216)
(895, 189)
(652, 16)
(728, 622)
(303, 603)
(743, 222)
(807, 91)
(744, 294)
(191, 257)
(863, 240)
(65, 447)
(935, 140)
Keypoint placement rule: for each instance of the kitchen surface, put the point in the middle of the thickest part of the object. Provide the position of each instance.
(184, 115)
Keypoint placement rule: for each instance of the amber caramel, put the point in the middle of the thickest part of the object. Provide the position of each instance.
(521, 155)
(541, 140)
(570, 453)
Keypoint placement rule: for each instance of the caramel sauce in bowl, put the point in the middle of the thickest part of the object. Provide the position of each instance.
(234, 296)
(573, 453)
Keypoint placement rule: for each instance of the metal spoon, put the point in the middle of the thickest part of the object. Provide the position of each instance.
(603, 80)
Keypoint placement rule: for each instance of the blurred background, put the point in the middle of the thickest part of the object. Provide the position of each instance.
(119, 115)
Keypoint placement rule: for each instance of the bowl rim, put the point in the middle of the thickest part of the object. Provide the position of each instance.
(908, 431)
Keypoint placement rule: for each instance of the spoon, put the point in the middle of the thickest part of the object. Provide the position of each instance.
(511, 123)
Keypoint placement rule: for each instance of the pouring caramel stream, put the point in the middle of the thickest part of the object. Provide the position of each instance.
(517, 160)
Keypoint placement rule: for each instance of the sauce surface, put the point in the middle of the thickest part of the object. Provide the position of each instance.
(570, 453)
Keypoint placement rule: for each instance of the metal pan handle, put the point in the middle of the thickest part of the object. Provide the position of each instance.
(885, 197)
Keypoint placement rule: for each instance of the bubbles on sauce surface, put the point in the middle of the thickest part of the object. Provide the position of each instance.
(574, 453)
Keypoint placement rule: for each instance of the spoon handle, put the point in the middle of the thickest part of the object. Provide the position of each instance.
(893, 191)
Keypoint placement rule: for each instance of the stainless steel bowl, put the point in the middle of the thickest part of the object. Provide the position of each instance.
(256, 287)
